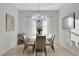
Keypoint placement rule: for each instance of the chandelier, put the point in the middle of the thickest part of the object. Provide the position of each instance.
(39, 16)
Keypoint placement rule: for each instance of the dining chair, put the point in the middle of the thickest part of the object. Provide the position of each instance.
(20, 38)
(27, 43)
(51, 42)
(40, 44)
(50, 37)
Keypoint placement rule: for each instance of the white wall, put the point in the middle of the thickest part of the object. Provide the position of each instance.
(64, 35)
(26, 23)
(7, 39)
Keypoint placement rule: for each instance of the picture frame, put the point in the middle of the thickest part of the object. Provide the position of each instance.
(68, 22)
(10, 22)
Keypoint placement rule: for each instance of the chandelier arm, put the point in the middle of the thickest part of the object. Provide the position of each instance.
(37, 16)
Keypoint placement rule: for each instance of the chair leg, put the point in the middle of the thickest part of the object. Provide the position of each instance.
(24, 49)
(45, 52)
(53, 49)
(33, 49)
(36, 52)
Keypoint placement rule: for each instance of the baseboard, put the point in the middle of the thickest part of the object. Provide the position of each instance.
(75, 54)
(1, 53)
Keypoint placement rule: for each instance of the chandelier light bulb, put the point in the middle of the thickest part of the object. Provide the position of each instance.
(39, 17)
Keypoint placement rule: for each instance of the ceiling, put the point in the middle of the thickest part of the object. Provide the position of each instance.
(39, 6)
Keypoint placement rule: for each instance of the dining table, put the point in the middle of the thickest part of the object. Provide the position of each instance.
(33, 39)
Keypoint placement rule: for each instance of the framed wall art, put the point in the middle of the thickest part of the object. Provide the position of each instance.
(68, 22)
(10, 23)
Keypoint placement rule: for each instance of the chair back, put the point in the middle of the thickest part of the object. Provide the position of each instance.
(26, 39)
(50, 37)
(40, 42)
(53, 38)
(20, 36)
